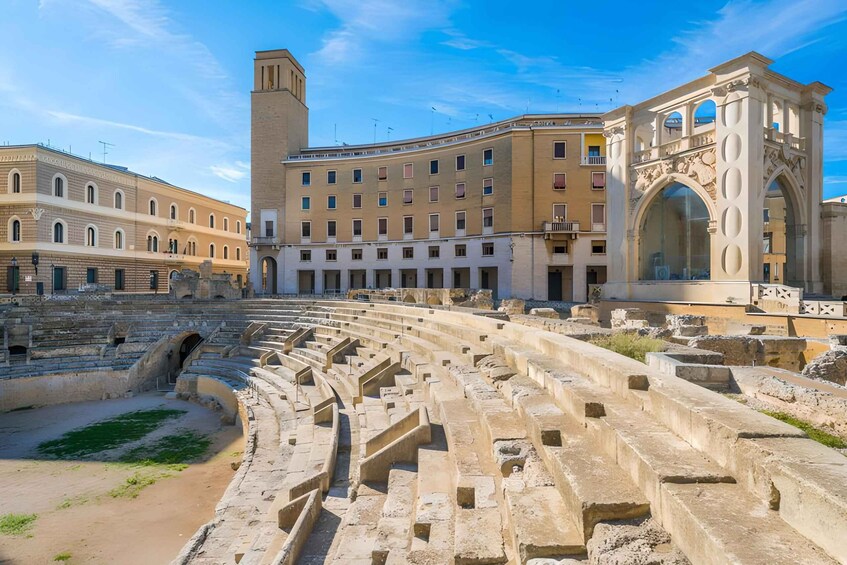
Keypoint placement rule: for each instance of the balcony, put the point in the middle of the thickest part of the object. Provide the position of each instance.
(259, 241)
(554, 230)
(594, 160)
(176, 224)
(789, 139)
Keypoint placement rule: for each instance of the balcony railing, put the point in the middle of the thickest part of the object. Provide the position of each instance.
(594, 160)
(794, 142)
(264, 241)
(561, 227)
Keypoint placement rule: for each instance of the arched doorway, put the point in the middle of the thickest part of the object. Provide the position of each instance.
(187, 346)
(675, 244)
(779, 236)
(268, 266)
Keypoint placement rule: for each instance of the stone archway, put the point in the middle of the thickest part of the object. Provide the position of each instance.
(268, 272)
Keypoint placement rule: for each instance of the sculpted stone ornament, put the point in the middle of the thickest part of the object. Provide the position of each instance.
(36, 213)
(698, 166)
(775, 158)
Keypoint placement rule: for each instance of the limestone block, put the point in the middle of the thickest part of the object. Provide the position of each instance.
(692, 331)
(829, 366)
(586, 311)
(512, 306)
(544, 313)
(645, 542)
(623, 317)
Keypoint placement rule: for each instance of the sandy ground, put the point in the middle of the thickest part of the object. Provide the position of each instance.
(97, 528)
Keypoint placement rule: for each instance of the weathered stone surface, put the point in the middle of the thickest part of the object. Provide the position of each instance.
(633, 543)
(830, 366)
(586, 311)
(512, 306)
(629, 318)
(544, 313)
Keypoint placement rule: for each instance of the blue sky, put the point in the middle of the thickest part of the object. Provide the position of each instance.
(168, 83)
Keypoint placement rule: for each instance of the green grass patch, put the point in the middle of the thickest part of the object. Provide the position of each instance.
(107, 434)
(631, 345)
(172, 450)
(16, 524)
(814, 433)
(64, 556)
(136, 483)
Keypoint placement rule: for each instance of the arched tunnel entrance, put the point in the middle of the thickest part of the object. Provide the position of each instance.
(188, 344)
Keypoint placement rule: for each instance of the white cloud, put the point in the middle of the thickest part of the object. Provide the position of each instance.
(460, 41)
(230, 173)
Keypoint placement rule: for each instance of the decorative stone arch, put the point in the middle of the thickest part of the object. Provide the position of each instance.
(12, 184)
(212, 250)
(119, 199)
(793, 186)
(153, 241)
(268, 274)
(192, 216)
(643, 205)
(660, 184)
(153, 207)
(212, 221)
(796, 224)
(225, 225)
(63, 231)
(55, 187)
(237, 226)
(10, 231)
(226, 252)
(92, 187)
(173, 211)
(91, 236)
(191, 246)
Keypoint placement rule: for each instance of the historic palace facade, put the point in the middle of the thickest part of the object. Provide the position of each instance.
(517, 206)
(71, 222)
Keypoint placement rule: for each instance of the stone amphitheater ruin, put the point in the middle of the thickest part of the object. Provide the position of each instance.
(382, 432)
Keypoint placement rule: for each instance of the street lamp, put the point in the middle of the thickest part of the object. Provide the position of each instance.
(14, 274)
(52, 278)
(35, 261)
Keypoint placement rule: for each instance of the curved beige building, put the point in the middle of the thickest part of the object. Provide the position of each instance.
(516, 206)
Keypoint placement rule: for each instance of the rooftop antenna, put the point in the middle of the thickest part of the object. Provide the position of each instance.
(432, 120)
(580, 104)
(105, 145)
(376, 121)
(388, 131)
(490, 118)
(477, 118)
(617, 97)
(335, 132)
(557, 100)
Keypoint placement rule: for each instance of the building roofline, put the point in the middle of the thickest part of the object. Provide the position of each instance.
(116, 169)
(277, 54)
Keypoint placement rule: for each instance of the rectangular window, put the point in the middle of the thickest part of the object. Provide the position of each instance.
(357, 175)
(357, 228)
(154, 280)
(382, 253)
(560, 212)
(408, 171)
(305, 229)
(433, 194)
(331, 255)
(487, 217)
(561, 248)
(330, 202)
(766, 215)
(487, 249)
(330, 228)
(382, 199)
(434, 252)
(119, 279)
(593, 150)
(356, 254)
(382, 173)
(330, 177)
(306, 178)
(488, 157)
(559, 149)
(487, 187)
(460, 250)
(382, 226)
(408, 224)
(269, 228)
(357, 200)
(598, 247)
(305, 203)
(434, 221)
(460, 220)
(767, 240)
(598, 213)
(560, 181)
(408, 253)
(91, 275)
(460, 162)
(305, 255)
(408, 196)
(598, 180)
(433, 167)
(460, 190)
